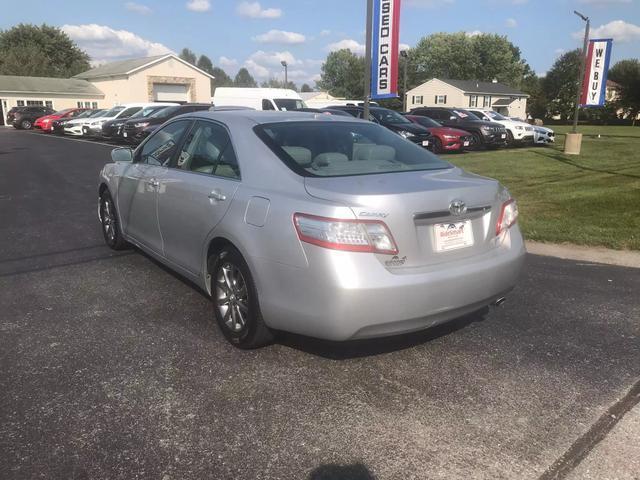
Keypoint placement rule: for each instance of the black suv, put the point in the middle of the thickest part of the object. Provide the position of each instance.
(25, 116)
(394, 122)
(137, 129)
(489, 134)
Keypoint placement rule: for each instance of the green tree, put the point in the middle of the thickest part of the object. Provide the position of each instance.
(343, 75)
(221, 80)
(188, 56)
(532, 84)
(560, 84)
(40, 51)
(460, 56)
(627, 74)
(306, 88)
(244, 79)
(204, 63)
(275, 83)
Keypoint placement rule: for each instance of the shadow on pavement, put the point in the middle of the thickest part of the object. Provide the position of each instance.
(376, 346)
(356, 471)
(562, 158)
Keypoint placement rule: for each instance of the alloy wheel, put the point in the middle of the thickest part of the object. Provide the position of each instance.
(232, 297)
(108, 220)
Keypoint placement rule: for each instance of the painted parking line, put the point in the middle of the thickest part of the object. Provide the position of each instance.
(72, 139)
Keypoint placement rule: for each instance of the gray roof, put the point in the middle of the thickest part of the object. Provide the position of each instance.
(474, 86)
(503, 102)
(68, 86)
(269, 116)
(122, 67)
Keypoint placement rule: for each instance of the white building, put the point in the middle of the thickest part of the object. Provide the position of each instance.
(469, 94)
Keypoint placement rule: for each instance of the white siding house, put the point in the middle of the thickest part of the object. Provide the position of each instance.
(469, 94)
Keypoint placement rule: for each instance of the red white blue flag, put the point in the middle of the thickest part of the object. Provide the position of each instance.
(594, 85)
(385, 47)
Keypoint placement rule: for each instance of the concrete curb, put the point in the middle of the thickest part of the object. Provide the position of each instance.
(622, 258)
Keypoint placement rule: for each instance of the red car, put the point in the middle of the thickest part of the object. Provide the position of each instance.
(446, 138)
(46, 123)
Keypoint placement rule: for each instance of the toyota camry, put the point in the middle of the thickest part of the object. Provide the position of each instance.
(321, 225)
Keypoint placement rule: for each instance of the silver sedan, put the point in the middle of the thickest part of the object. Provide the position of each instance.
(321, 225)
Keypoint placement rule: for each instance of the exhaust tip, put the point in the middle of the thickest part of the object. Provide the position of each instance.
(499, 301)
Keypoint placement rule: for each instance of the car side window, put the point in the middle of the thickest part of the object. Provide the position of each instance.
(267, 105)
(159, 149)
(207, 149)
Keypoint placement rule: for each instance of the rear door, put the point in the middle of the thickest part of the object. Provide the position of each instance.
(138, 187)
(196, 192)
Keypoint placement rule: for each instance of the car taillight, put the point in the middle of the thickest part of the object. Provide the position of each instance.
(341, 234)
(508, 216)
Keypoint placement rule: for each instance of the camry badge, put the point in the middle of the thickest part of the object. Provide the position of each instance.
(457, 207)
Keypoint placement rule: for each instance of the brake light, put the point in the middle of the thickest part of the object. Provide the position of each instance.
(371, 236)
(508, 216)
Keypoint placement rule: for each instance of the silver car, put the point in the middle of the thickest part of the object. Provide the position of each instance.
(316, 224)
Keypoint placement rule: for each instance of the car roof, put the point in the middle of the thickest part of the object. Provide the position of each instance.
(268, 116)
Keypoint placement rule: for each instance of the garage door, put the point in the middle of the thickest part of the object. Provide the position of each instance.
(167, 92)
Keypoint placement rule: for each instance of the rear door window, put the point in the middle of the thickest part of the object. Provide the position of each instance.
(267, 105)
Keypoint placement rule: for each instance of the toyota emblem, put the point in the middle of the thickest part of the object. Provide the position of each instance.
(457, 207)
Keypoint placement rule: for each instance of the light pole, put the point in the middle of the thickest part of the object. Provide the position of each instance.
(405, 55)
(286, 80)
(583, 66)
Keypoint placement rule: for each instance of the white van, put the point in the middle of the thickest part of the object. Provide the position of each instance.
(258, 98)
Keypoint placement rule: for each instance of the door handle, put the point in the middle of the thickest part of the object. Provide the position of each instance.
(153, 182)
(217, 195)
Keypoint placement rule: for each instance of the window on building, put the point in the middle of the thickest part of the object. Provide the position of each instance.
(49, 104)
(417, 100)
(35, 103)
(79, 104)
(87, 104)
(20, 103)
(473, 100)
(441, 99)
(486, 101)
(94, 105)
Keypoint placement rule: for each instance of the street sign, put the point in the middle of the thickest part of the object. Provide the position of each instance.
(595, 76)
(385, 47)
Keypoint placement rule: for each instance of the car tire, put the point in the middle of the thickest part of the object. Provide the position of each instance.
(510, 140)
(477, 140)
(110, 223)
(26, 125)
(235, 300)
(437, 145)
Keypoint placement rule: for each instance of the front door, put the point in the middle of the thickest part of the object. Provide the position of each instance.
(196, 193)
(139, 186)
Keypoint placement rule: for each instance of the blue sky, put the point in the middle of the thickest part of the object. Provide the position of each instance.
(258, 35)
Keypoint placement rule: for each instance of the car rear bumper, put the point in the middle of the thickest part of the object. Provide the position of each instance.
(343, 296)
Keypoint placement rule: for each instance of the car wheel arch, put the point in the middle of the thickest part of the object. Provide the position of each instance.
(215, 246)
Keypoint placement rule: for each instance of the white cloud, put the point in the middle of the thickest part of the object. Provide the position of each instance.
(353, 45)
(603, 2)
(265, 65)
(105, 44)
(511, 23)
(137, 8)
(280, 36)
(325, 33)
(255, 10)
(199, 5)
(619, 30)
(473, 33)
(426, 3)
(559, 51)
(404, 46)
(228, 62)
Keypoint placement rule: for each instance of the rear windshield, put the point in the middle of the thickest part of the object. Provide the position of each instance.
(465, 115)
(147, 111)
(96, 113)
(289, 103)
(495, 115)
(129, 111)
(389, 116)
(328, 149)
(166, 111)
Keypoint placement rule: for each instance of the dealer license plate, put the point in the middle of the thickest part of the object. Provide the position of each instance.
(425, 143)
(450, 236)
(504, 135)
(465, 144)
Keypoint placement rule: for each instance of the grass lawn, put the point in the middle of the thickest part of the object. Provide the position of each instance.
(589, 199)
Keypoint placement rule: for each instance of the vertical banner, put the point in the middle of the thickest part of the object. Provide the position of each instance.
(594, 84)
(385, 47)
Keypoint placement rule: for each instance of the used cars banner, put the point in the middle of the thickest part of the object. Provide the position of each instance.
(594, 84)
(385, 45)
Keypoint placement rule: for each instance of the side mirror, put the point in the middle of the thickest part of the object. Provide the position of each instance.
(122, 155)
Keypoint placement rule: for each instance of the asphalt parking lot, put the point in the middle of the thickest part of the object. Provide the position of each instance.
(112, 367)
